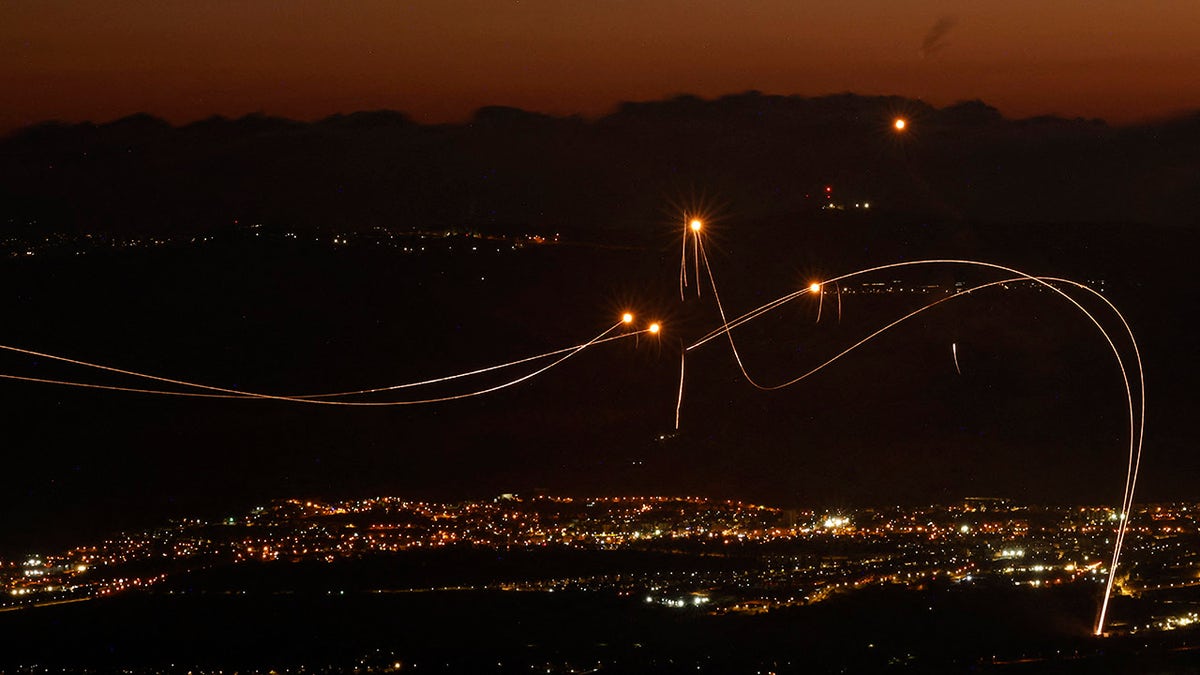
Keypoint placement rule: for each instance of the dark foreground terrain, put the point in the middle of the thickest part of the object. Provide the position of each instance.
(976, 630)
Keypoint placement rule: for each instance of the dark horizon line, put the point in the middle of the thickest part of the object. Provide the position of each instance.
(617, 109)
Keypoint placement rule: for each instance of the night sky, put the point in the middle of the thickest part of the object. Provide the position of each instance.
(1118, 60)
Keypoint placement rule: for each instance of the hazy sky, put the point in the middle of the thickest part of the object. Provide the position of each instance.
(440, 59)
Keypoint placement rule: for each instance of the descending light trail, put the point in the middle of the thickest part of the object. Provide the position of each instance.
(1136, 429)
(317, 399)
(683, 266)
(816, 288)
(691, 228)
(725, 322)
(679, 399)
(954, 351)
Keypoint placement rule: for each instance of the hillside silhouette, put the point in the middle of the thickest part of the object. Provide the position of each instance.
(765, 154)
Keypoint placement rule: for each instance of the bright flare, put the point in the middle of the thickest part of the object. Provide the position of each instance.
(696, 225)
(627, 318)
(654, 328)
(814, 287)
(899, 124)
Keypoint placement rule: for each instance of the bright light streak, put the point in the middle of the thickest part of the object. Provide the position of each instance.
(221, 392)
(683, 266)
(954, 351)
(679, 399)
(1136, 432)
(815, 287)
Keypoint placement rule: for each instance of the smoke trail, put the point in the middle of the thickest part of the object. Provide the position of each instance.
(935, 39)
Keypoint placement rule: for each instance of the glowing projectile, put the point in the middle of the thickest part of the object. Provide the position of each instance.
(221, 392)
(1136, 427)
(900, 124)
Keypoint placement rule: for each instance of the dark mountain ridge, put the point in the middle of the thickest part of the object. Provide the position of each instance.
(762, 154)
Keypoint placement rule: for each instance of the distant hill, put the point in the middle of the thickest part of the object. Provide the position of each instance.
(759, 154)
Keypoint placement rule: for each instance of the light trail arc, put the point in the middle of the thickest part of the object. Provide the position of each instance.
(318, 399)
(1136, 430)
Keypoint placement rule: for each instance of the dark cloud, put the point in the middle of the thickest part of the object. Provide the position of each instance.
(935, 39)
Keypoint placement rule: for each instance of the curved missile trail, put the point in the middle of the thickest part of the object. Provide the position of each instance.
(749, 316)
(479, 371)
(721, 309)
(315, 399)
(240, 394)
(1136, 425)
(1136, 430)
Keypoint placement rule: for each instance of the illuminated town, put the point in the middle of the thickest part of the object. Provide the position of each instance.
(464, 239)
(719, 557)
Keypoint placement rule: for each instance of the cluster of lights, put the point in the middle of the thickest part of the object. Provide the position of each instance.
(679, 603)
(654, 328)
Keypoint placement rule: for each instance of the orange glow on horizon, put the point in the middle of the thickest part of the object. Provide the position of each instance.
(320, 58)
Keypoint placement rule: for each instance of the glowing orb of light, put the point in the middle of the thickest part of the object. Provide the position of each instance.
(814, 287)
(899, 124)
(696, 225)
(627, 318)
(654, 328)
